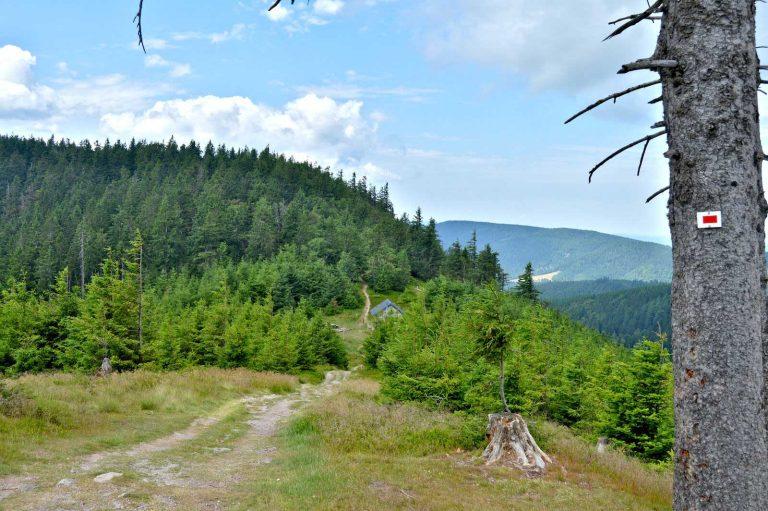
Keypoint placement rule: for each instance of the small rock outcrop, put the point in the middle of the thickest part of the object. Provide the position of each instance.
(105, 478)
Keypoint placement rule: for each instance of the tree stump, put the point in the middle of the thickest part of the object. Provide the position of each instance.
(510, 443)
(602, 444)
(106, 367)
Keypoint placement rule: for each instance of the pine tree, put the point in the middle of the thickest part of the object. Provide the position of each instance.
(525, 284)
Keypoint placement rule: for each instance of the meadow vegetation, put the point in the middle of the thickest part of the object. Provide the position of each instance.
(45, 418)
(339, 455)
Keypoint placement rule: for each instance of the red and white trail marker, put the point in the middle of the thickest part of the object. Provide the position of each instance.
(709, 219)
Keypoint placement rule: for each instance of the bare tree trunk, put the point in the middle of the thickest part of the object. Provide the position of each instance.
(718, 287)
(501, 384)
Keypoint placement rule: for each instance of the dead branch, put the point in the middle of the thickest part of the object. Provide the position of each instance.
(621, 150)
(652, 64)
(642, 156)
(656, 100)
(613, 97)
(277, 2)
(649, 199)
(636, 19)
(137, 20)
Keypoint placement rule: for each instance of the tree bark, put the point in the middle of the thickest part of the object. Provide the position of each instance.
(718, 286)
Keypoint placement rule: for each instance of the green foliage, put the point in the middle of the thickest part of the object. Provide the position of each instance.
(628, 315)
(466, 264)
(525, 286)
(554, 367)
(195, 207)
(375, 343)
(641, 415)
(225, 318)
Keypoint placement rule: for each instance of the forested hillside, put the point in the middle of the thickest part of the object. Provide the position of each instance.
(575, 254)
(628, 315)
(167, 256)
(556, 291)
(194, 207)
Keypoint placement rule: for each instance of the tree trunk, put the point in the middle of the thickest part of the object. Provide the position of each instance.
(510, 443)
(718, 286)
(501, 384)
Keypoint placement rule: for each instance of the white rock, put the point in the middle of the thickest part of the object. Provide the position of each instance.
(105, 478)
(66, 482)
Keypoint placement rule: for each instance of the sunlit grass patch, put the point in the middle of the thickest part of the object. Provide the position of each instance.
(65, 414)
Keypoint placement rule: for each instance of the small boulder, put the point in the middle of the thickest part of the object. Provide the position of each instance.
(105, 478)
(66, 482)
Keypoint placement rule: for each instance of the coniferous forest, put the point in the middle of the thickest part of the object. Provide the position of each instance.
(172, 255)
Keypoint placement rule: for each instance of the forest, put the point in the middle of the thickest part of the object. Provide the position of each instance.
(556, 368)
(167, 256)
(627, 311)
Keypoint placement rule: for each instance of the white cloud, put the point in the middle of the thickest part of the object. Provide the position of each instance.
(309, 128)
(552, 44)
(236, 32)
(19, 95)
(156, 44)
(176, 70)
(279, 13)
(300, 17)
(328, 7)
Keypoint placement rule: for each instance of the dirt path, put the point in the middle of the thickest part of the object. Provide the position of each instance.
(195, 468)
(367, 308)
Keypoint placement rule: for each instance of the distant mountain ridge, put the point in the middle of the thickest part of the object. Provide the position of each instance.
(575, 254)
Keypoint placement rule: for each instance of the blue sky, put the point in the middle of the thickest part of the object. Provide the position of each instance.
(458, 104)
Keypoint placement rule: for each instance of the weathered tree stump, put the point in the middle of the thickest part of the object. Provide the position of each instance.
(510, 443)
(106, 367)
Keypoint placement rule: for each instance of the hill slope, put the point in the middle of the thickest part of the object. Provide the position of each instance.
(195, 206)
(628, 315)
(576, 254)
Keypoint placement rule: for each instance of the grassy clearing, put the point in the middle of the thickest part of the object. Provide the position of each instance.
(353, 334)
(353, 452)
(65, 414)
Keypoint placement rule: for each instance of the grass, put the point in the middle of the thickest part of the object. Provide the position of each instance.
(353, 452)
(65, 414)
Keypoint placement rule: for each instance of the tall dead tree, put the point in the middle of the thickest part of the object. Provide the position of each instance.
(709, 72)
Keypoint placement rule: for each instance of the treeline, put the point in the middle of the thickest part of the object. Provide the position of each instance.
(554, 291)
(555, 367)
(470, 265)
(263, 315)
(628, 316)
(65, 205)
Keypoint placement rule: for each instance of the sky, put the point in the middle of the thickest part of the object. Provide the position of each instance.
(457, 104)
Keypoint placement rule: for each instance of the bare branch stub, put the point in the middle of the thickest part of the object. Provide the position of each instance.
(635, 19)
(649, 199)
(650, 64)
(621, 150)
(642, 156)
(613, 97)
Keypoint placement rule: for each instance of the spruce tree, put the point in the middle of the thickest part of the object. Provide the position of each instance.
(525, 285)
